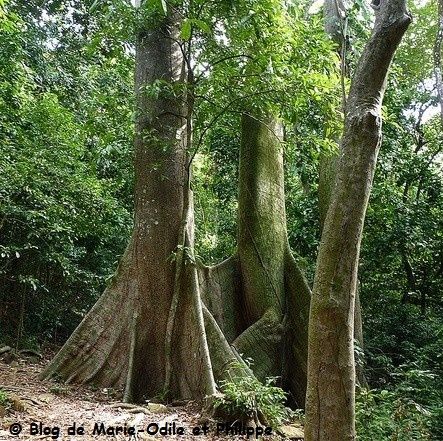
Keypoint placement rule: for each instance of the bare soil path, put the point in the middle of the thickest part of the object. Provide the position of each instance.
(45, 410)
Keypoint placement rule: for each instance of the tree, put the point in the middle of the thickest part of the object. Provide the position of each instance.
(274, 293)
(330, 413)
(270, 292)
(336, 26)
(130, 349)
(255, 303)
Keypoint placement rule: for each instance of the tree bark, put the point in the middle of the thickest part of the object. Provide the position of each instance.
(259, 296)
(335, 26)
(437, 58)
(330, 411)
(121, 342)
(275, 335)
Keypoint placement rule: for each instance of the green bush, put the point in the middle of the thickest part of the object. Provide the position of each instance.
(64, 216)
(393, 416)
(62, 228)
(245, 397)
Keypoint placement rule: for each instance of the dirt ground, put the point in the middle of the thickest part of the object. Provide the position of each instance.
(46, 410)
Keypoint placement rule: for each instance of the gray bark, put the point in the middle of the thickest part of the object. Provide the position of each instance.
(330, 408)
(335, 18)
(334, 12)
(123, 341)
(259, 297)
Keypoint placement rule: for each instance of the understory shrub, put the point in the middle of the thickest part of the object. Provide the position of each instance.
(246, 397)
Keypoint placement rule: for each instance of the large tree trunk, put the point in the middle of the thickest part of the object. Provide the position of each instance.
(272, 307)
(124, 339)
(162, 328)
(259, 296)
(330, 411)
(262, 244)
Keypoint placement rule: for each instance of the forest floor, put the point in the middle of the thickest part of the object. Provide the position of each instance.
(48, 410)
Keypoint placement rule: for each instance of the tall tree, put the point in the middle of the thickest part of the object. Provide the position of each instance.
(124, 339)
(264, 60)
(274, 292)
(248, 300)
(330, 413)
(336, 26)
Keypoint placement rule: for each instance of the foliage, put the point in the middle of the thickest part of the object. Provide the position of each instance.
(215, 182)
(398, 414)
(400, 274)
(245, 397)
(384, 415)
(261, 57)
(62, 225)
(401, 280)
(4, 400)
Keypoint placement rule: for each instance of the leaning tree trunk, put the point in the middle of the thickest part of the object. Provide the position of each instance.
(124, 340)
(335, 18)
(330, 412)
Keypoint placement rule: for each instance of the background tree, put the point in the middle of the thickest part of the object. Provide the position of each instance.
(402, 365)
(58, 241)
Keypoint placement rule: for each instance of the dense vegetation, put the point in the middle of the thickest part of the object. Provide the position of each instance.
(66, 177)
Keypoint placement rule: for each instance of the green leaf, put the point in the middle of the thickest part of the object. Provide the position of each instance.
(156, 5)
(94, 6)
(202, 25)
(185, 33)
(186, 30)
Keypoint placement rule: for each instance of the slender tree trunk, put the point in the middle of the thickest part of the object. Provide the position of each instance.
(330, 412)
(335, 18)
(328, 165)
(437, 58)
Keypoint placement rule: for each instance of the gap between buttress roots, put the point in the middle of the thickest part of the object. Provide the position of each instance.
(127, 395)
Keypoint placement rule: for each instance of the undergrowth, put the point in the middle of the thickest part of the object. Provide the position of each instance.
(4, 400)
(245, 397)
